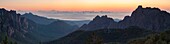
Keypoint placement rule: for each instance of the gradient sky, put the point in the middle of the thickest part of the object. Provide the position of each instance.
(82, 5)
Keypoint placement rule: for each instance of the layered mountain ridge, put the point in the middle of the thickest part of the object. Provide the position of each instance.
(38, 19)
(148, 18)
(46, 21)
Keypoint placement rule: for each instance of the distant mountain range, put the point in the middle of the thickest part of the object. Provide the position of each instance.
(78, 23)
(45, 21)
(148, 18)
(38, 19)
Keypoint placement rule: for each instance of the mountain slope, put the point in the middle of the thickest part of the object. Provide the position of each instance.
(159, 38)
(38, 19)
(148, 18)
(107, 35)
(26, 31)
(78, 23)
(14, 26)
(45, 21)
(45, 29)
(52, 31)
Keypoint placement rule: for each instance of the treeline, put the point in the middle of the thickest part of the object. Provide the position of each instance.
(155, 38)
(159, 38)
(103, 36)
(7, 41)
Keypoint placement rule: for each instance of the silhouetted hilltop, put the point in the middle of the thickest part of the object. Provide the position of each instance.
(148, 18)
(98, 23)
(38, 19)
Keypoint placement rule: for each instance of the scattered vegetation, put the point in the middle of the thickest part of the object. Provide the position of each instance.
(160, 38)
(94, 39)
(7, 41)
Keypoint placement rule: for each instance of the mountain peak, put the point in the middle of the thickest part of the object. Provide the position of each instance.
(2, 9)
(104, 16)
(140, 6)
(97, 17)
(13, 11)
(99, 22)
(101, 17)
(29, 13)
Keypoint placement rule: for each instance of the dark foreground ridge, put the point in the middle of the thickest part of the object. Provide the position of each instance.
(101, 36)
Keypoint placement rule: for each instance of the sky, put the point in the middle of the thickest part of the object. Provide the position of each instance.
(120, 8)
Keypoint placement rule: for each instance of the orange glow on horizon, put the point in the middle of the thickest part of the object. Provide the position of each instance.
(83, 5)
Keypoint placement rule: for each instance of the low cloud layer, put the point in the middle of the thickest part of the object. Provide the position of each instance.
(88, 15)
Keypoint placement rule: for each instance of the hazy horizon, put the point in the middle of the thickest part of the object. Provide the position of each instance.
(77, 16)
(46, 8)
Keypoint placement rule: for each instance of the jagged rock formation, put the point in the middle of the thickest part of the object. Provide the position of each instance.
(26, 31)
(148, 18)
(11, 22)
(13, 25)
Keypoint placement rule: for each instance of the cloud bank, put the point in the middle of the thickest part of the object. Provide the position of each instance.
(82, 15)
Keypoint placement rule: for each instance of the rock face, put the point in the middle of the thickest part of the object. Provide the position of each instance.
(27, 31)
(148, 18)
(11, 22)
(14, 26)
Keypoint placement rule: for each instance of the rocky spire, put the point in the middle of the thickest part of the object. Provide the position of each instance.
(12, 11)
(2, 10)
(139, 7)
(97, 17)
